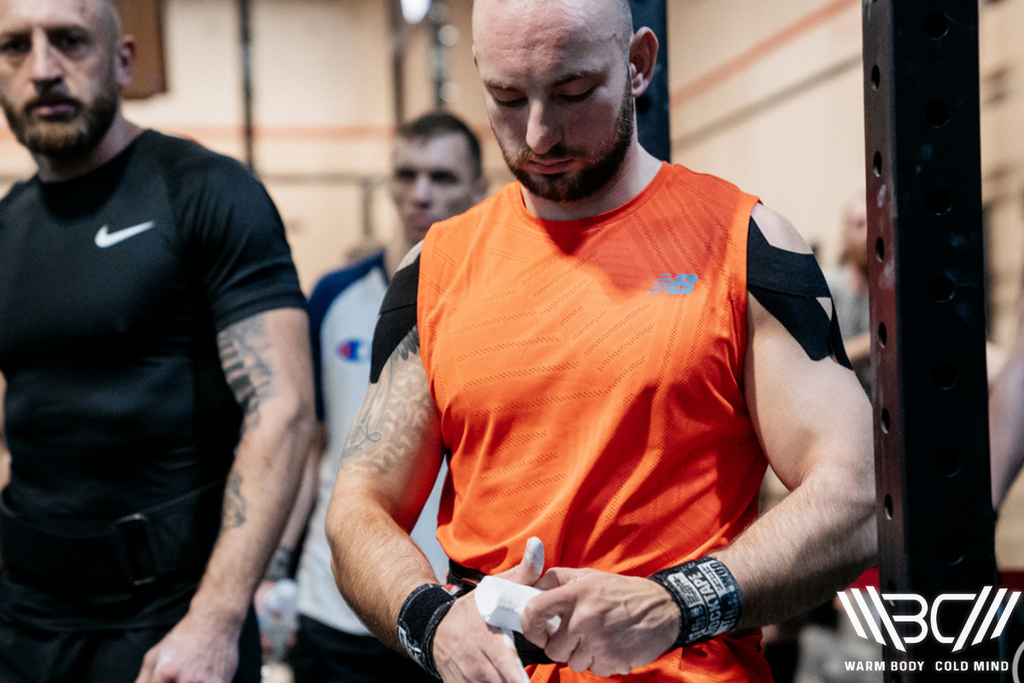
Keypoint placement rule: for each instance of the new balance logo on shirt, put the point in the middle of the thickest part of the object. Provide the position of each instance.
(673, 284)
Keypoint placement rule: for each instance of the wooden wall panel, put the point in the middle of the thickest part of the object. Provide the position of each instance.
(143, 19)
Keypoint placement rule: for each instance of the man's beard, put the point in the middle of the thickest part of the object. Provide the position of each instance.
(598, 169)
(76, 136)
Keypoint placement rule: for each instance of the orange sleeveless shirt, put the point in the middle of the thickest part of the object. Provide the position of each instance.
(589, 379)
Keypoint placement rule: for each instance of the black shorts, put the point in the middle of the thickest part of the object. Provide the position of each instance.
(29, 655)
(326, 655)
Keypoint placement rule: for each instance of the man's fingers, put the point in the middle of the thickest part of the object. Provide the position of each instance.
(547, 614)
(560, 576)
(490, 664)
(530, 567)
(533, 558)
(166, 672)
(562, 645)
(148, 664)
(507, 663)
(580, 659)
(607, 669)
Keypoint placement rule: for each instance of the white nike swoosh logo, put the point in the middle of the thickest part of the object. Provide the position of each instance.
(106, 239)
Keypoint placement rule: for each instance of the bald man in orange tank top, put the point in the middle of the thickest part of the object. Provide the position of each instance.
(609, 351)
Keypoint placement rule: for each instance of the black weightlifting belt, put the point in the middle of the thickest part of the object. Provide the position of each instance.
(467, 579)
(171, 540)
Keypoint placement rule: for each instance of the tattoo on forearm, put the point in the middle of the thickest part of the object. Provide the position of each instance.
(381, 430)
(234, 503)
(243, 352)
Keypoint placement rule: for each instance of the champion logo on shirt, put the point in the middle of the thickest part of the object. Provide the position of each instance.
(354, 350)
(673, 284)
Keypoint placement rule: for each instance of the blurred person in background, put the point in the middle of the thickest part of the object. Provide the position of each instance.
(849, 286)
(436, 174)
(1006, 415)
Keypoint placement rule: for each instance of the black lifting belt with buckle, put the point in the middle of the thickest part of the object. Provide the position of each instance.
(171, 540)
(467, 579)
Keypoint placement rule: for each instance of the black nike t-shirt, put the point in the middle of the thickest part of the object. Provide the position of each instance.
(113, 287)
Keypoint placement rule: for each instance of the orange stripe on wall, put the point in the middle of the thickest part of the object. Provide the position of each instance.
(270, 133)
(745, 60)
(286, 133)
(311, 134)
(303, 133)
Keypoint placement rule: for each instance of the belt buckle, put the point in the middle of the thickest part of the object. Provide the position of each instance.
(132, 542)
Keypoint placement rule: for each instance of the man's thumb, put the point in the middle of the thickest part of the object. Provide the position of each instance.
(530, 568)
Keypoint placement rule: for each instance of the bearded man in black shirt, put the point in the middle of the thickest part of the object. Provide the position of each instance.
(154, 366)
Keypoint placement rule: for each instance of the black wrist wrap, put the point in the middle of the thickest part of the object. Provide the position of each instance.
(708, 597)
(421, 612)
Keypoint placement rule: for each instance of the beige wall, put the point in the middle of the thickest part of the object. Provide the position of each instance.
(1002, 153)
(802, 154)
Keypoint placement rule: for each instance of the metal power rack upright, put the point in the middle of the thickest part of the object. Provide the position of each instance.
(936, 527)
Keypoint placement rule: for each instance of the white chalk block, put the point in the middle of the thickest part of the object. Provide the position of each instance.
(501, 602)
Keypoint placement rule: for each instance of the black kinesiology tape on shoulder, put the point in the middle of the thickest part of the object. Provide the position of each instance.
(397, 317)
(788, 285)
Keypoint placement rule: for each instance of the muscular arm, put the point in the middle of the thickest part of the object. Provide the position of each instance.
(284, 556)
(388, 467)
(266, 363)
(1006, 416)
(304, 501)
(390, 462)
(814, 423)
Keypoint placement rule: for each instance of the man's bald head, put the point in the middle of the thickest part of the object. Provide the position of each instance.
(613, 14)
(111, 21)
(625, 21)
(101, 13)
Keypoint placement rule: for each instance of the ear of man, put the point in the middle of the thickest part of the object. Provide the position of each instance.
(643, 57)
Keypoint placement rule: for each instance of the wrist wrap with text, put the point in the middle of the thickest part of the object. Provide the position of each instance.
(707, 595)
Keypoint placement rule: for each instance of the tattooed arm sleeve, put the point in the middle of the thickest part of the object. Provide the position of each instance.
(389, 464)
(266, 363)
